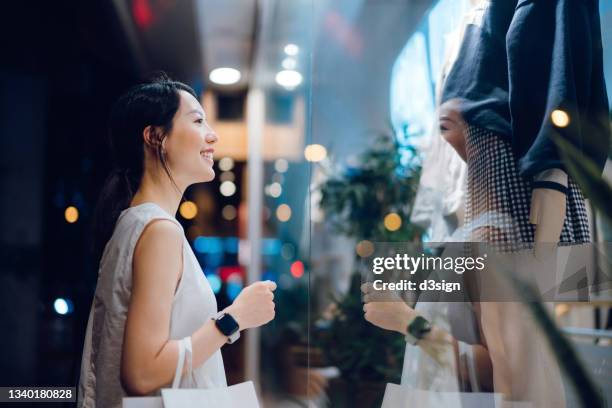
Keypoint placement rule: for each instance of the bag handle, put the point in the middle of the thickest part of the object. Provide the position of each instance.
(189, 358)
(179, 364)
(185, 353)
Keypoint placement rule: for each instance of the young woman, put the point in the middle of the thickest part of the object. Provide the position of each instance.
(151, 292)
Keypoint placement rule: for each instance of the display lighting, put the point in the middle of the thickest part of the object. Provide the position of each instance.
(224, 76)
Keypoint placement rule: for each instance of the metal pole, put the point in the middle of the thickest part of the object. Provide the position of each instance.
(255, 122)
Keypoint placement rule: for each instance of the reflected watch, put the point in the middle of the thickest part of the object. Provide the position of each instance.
(228, 326)
(417, 329)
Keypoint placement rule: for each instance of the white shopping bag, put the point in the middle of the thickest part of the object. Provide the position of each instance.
(236, 396)
(397, 396)
(143, 402)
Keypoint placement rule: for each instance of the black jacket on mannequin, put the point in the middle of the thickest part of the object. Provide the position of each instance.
(524, 60)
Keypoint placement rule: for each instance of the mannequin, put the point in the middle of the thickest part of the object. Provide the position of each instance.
(518, 71)
(519, 62)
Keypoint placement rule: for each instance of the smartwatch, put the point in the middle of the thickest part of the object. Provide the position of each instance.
(417, 329)
(228, 326)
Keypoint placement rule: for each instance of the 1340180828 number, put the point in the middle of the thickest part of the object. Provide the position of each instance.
(37, 393)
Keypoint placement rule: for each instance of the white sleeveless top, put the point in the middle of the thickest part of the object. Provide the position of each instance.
(193, 304)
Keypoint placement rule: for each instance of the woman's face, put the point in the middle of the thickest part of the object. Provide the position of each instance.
(188, 147)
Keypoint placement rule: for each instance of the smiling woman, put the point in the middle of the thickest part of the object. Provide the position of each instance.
(152, 295)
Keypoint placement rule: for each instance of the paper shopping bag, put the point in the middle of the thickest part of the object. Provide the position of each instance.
(397, 396)
(236, 396)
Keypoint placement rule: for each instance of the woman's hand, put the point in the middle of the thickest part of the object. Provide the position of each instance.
(386, 310)
(254, 306)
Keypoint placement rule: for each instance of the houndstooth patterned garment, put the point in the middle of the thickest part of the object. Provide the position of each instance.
(499, 199)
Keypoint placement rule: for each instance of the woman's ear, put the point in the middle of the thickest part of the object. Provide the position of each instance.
(151, 137)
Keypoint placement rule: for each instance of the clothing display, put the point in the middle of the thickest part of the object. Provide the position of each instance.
(194, 303)
(524, 59)
(498, 198)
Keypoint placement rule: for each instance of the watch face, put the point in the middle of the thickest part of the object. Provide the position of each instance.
(227, 325)
(419, 327)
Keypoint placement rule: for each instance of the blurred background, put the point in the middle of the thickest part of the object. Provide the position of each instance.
(298, 92)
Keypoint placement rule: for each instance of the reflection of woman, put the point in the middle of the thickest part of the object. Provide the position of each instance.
(151, 292)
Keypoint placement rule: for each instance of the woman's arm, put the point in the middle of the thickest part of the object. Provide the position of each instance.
(149, 358)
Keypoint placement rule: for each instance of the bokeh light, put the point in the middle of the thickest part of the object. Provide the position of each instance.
(215, 283)
(71, 214)
(283, 213)
(229, 212)
(62, 306)
(227, 188)
(315, 152)
(188, 210)
(297, 269)
(364, 248)
(393, 222)
(226, 164)
(281, 165)
(560, 118)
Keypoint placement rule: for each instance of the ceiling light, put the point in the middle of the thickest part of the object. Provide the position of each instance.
(291, 49)
(288, 78)
(224, 76)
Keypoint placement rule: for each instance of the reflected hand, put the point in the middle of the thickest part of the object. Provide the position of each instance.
(386, 310)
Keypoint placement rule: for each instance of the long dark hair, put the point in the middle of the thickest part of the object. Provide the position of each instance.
(153, 103)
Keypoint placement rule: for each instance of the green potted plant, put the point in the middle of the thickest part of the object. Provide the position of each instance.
(356, 201)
